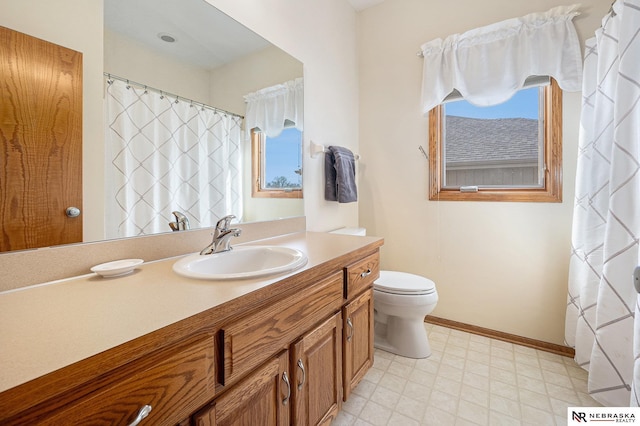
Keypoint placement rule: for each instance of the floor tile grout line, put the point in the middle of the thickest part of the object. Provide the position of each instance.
(452, 364)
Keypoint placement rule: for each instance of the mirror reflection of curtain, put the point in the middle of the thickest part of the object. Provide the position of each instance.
(165, 155)
(272, 108)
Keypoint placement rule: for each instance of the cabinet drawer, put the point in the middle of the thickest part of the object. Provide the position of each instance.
(174, 387)
(361, 274)
(260, 335)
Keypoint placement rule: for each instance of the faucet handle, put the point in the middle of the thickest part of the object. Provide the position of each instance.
(181, 223)
(223, 224)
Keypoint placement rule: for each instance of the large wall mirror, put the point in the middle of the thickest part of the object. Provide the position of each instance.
(186, 48)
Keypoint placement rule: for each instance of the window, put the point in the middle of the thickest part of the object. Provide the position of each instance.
(276, 164)
(507, 152)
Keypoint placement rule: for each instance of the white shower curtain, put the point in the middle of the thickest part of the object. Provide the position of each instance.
(606, 223)
(165, 155)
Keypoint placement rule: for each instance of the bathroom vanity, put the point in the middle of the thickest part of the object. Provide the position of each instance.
(164, 349)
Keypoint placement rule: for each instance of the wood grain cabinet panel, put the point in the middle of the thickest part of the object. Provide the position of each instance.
(357, 340)
(361, 275)
(316, 366)
(253, 339)
(261, 398)
(173, 388)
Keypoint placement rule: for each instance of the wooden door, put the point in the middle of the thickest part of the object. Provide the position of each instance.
(316, 366)
(40, 142)
(262, 398)
(357, 340)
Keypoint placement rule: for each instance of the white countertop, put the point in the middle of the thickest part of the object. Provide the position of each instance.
(49, 326)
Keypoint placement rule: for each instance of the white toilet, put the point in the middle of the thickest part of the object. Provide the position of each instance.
(401, 301)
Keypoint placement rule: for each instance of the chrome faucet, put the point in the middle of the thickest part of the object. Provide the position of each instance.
(222, 236)
(181, 223)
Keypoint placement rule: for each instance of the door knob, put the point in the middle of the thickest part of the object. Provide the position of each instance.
(72, 212)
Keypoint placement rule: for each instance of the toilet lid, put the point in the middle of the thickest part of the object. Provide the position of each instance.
(403, 283)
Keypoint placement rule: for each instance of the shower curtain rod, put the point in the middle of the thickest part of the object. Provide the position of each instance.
(171, 95)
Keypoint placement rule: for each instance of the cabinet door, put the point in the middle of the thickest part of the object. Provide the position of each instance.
(262, 398)
(357, 340)
(316, 366)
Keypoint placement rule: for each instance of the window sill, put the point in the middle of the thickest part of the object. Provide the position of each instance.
(504, 195)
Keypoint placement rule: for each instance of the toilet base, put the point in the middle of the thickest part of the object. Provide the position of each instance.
(407, 338)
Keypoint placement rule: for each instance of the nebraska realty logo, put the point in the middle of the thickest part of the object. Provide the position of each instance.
(581, 415)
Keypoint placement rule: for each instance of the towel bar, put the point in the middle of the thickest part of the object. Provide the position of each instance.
(316, 149)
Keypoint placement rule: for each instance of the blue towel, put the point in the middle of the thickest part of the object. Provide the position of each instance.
(340, 174)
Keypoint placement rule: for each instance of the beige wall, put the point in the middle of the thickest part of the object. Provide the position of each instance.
(126, 58)
(229, 84)
(502, 266)
(321, 34)
(268, 67)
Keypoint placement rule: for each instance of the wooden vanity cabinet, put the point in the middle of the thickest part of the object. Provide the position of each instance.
(326, 330)
(261, 398)
(360, 275)
(287, 355)
(300, 386)
(308, 325)
(252, 339)
(357, 336)
(169, 387)
(357, 340)
(316, 366)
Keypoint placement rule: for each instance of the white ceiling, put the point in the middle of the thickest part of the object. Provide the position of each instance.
(205, 36)
(363, 4)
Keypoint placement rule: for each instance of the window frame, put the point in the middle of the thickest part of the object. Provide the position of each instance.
(258, 140)
(551, 191)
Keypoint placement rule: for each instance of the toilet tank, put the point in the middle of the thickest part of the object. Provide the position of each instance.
(350, 231)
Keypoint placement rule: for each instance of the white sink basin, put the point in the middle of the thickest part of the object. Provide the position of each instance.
(241, 262)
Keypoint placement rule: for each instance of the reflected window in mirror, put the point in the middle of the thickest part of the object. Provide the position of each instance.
(277, 164)
(207, 65)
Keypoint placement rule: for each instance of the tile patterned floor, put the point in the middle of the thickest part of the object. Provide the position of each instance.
(468, 380)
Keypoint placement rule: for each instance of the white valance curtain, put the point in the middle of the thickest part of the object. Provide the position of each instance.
(269, 108)
(490, 64)
(602, 300)
(163, 155)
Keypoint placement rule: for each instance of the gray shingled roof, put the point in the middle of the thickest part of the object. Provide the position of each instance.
(489, 140)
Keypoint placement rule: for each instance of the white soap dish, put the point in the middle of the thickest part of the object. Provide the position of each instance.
(117, 267)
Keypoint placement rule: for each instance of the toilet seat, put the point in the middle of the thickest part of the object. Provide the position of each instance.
(402, 283)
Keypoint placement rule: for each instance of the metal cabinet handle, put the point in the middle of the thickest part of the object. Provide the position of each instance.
(366, 273)
(142, 414)
(304, 374)
(350, 324)
(285, 379)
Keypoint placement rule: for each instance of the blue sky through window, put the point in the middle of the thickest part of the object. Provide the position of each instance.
(283, 156)
(524, 104)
